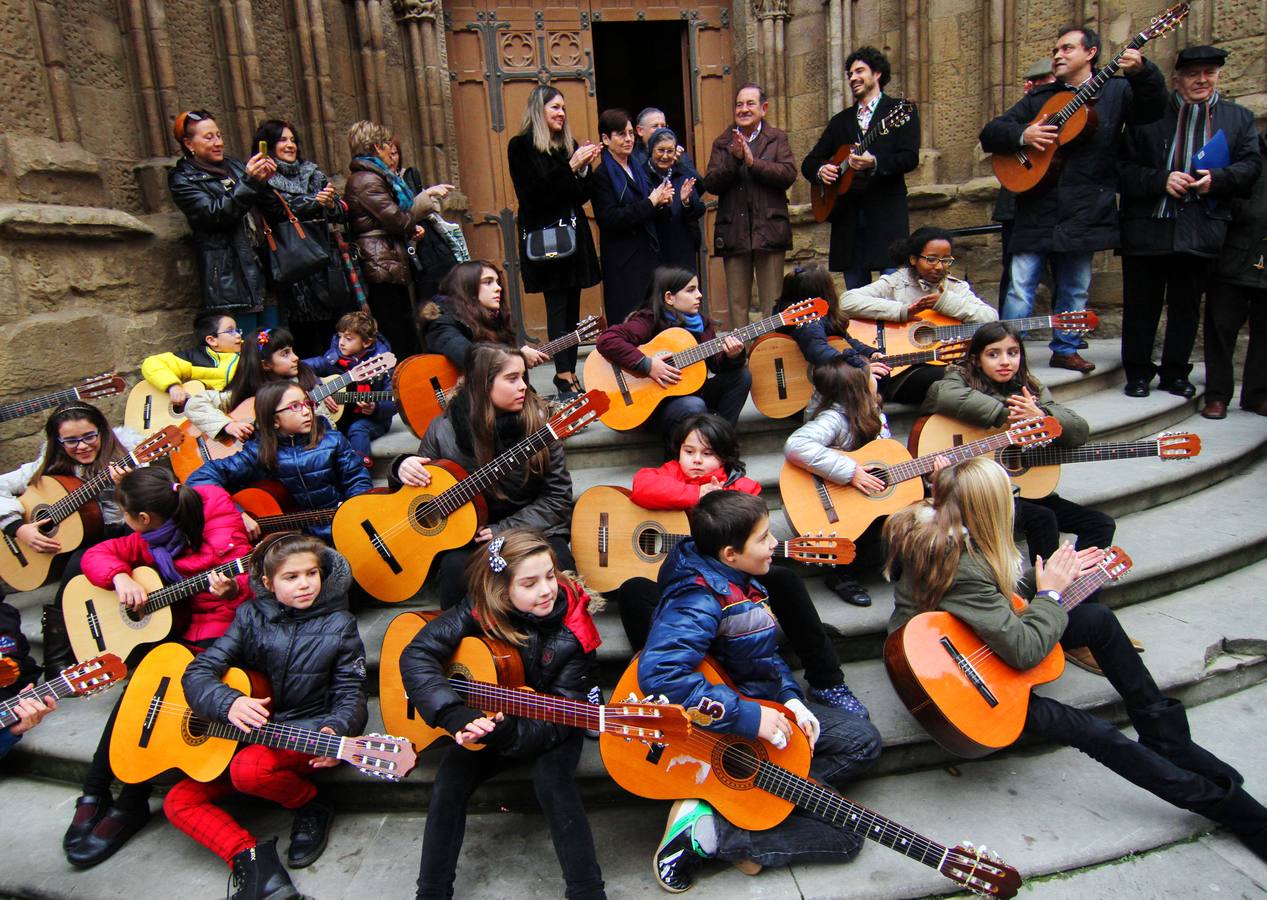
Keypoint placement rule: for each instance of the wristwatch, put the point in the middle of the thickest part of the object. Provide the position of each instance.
(1054, 595)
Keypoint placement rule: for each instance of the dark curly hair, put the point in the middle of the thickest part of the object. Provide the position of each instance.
(874, 59)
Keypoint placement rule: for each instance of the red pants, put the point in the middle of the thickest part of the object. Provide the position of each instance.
(277, 775)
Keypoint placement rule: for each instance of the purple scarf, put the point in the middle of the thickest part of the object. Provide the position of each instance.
(166, 543)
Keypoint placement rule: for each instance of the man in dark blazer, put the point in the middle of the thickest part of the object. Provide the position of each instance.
(872, 215)
(1175, 214)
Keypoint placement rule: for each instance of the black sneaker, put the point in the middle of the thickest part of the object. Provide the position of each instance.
(678, 856)
(309, 833)
(257, 874)
(849, 590)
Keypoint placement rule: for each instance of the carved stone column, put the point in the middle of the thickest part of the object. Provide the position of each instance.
(421, 38)
(373, 57)
(53, 55)
(150, 46)
(772, 16)
(839, 45)
(314, 62)
(243, 66)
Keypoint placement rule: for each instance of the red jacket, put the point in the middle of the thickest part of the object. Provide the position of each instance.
(223, 539)
(668, 487)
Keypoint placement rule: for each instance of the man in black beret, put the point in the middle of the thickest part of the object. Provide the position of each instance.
(1175, 213)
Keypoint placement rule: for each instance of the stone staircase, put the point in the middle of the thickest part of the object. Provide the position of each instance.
(1198, 538)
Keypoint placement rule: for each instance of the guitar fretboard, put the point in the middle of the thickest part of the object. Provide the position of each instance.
(560, 710)
(651, 542)
(172, 593)
(61, 509)
(1055, 456)
(922, 465)
(1084, 586)
(563, 342)
(279, 736)
(910, 359)
(290, 521)
(19, 408)
(1093, 85)
(965, 330)
(56, 689)
(363, 396)
(743, 334)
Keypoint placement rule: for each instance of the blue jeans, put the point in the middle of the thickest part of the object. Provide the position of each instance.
(362, 431)
(1072, 274)
(858, 277)
(847, 746)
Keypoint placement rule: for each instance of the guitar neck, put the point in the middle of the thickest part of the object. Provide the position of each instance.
(547, 708)
(1093, 86)
(363, 396)
(909, 359)
(19, 408)
(486, 476)
(964, 330)
(56, 689)
(1083, 587)
(744, 334)
(563, 342)
(922, 465)
(86, 492)
(173, 593)
(289, 521)
(333, 386)
(280, 736)
(1056, 456)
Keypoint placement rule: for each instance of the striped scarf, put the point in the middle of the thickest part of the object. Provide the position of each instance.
(1192, 130)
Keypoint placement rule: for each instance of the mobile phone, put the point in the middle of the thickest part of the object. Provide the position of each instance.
(263, 148)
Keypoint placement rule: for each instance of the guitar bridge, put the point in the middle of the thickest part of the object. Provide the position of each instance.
(969, 671)
(623, 385)
(1023, 158)
(15, 547)
(780, 378)
(147, 413)
(377, 542)
(824, 497)
(439, 392)
(94, 626)
(155, 708)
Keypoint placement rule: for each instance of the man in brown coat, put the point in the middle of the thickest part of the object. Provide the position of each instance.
(750, 169)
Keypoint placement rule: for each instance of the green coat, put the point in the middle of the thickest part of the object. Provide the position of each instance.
(1022, 641)
(988, 409)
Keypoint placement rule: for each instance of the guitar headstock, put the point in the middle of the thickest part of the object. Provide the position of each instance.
(578, 414)
(590, 327)
(1079, 321)
(653, 723)
(805, 311)
(93, 675)
(380, 755)
(821, 550)
(374, 367)
(1115, 563)
(898, 115)
(980, 871)
(1167, 21)
(1178, 446)
(107, 384)
(952, 351)
(158, 444)
(1034, 432)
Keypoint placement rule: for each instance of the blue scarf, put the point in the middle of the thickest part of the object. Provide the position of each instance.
(693, 323)
(620, 179)
(404, 196)
(166, 543)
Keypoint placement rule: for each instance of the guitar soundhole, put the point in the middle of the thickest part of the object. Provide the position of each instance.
(193, 731)
(428, 522)
(649, 542)
(133, 617)
(735, 762)
(877, 469)
(922, 335)
(43, 517)
(1013, 460)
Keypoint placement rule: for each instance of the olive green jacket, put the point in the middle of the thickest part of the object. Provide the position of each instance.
(951, 396)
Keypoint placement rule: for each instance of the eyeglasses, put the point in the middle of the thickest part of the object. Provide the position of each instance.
(938, 260)
(298, 406)
(89, 438)
(236, 331)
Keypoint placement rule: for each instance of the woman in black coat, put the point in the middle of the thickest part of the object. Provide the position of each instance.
(677, 223)
(552, 178)
(217, 195)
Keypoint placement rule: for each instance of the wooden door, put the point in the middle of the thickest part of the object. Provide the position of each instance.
(499, 51)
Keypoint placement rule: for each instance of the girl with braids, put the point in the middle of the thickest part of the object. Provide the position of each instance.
(469, 310)
(79, 442)
(180, 531)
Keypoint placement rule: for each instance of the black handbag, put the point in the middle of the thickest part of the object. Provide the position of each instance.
(294, 252)
(557, 241)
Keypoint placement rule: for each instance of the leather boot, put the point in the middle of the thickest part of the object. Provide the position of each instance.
(89, 810)
(1241, 814)
(57, 652)
(258, 875)
(1163, 728)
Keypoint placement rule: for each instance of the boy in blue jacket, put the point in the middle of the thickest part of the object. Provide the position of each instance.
(711, 603)
(355, 340)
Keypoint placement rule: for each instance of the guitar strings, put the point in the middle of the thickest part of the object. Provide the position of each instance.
(292, 732)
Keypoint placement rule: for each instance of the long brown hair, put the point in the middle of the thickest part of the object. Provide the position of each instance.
(992, 333)
(461, 287)
(813, 280)
(57, 461)
(267, 402)
(852, 389)
(971, 509)
(484, 362)
(490, 590)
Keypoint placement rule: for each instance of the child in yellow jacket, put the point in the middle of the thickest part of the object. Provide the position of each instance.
(212, 360)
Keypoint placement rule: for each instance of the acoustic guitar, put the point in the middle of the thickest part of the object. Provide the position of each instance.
(489, 674)
(811, 502)
(149, 408)
(1037, 471)
(635, 397)
(929, 328)
(781, 376)
(156, 730)
(80, 680)
(391, 539)
(65, 507)
(424, 384)
(615, 539)
(1073, 114)
(336, 386)
(106, 384)
(822, 197)
(968, 700)
(756, 785)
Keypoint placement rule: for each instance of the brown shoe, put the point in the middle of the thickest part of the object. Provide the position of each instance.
(747, 866)
(1073, 362)
(1082, 658)
(1260, 408)
(1214, 409)
(1139, 648)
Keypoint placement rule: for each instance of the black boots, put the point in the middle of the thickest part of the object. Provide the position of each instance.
(1242, 815)
(107, 837)
(258, 875)
(57, 652)
(309, 833)
(1163, 728)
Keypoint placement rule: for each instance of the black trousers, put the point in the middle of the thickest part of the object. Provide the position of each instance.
(449, 568)
(912, 385)
(1227, 308)
(393, 309)
(563, 311)
(1175, 281)
(554, 780)
(1042, 522)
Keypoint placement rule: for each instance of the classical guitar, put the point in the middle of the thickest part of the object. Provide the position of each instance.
(781, 384)
(1073, 113)
(755, 785)
(391, 539)
(156, 730)
(614, 539)
(489, 673)
(80, 680)
(822, 197)
(336, 386)
(811, 502)
(929, 328)
(107, 384)
(1037, 472)
(968, 700)
(149, 408)
(425, 384)
(96, 620)
(65, 507)
(635, 397)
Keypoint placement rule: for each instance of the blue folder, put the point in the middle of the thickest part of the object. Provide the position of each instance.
(1214, 155)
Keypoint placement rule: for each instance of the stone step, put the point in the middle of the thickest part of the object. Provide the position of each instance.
(1045, 813)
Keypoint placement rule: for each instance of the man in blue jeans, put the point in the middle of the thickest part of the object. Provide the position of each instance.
(1070, 216)
(711, 603)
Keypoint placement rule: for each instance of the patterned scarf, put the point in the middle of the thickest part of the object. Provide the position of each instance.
(296, 178)
(404, 196)
(1192, 130)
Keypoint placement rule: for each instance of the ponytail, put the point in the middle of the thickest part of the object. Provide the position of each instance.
(153, 490)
